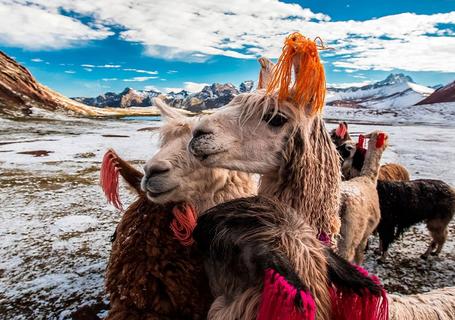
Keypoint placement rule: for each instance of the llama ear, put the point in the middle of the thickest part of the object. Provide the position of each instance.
(341, 130)
(265, 74)
(167, 111)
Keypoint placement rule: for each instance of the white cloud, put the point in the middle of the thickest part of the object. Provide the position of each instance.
(109, 79)
(151, 88)
(139, 79)
(171, 71)
(36, 60)
(88, 69)
(107, 66)
(175, 90)
(202, 28)
(194, 86)
(70, 71)
(140, 71)
(39, 26)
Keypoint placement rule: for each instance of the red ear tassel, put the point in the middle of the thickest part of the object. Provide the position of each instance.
(380, 140)
(109, 179)
(352, 306)
(341, 131)
(361, 142)
(278, 300)
(183, 224)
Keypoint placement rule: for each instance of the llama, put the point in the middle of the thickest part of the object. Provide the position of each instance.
(406, 203)
(244, 242)
(250, 241)
(154, 272)
(360, 213)
(279, 133)
(353, 157)
(283, 139)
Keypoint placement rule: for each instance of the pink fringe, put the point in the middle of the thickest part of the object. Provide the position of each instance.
(361, 142)
(109, 179)
(277, 301)
(350, 306)
(183, 224)
(341, 131)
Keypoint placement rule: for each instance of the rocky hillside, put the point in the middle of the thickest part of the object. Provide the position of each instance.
(397, 90)
(210, 97)
(21, 95)
(443, 94)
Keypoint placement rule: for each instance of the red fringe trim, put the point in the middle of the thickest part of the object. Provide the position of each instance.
(184, 223)
(278, 300)
(109, 179)
(351, 306)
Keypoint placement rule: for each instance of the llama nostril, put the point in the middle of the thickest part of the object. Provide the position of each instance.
(156, 169)
(200, 132)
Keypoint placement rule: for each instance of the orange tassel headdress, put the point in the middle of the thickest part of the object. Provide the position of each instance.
(309, 88)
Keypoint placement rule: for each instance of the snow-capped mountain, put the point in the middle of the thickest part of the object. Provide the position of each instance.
(210, 97)
(397, 90)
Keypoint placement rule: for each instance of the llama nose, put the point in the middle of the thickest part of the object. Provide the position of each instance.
(200, 132)
(156, 169)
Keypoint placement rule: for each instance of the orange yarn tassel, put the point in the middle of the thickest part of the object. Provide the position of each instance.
(183, 224)
(309, 87)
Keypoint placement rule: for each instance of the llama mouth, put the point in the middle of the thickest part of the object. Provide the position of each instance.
(158, 194)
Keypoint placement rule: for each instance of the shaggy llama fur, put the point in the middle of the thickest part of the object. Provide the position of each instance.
(284, 142)
(359, 210)
(242, 239)
(150, 274)
(406, 203)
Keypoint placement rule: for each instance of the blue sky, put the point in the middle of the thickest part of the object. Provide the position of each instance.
(84, 48)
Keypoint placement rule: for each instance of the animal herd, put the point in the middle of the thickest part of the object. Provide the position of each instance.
(205, 240)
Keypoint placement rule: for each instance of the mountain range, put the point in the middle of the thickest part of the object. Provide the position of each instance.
(397, 90)
(22, 95)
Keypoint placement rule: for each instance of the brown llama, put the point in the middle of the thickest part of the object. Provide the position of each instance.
(154, 271)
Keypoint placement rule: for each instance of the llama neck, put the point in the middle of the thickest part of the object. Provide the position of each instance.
(371, 165)
(309, 180)
(222, 185)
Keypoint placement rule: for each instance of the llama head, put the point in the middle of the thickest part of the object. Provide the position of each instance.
(251, 133)
(377, 140)
(340, 134)
(347, 150)
(173, 174)
(278, 132)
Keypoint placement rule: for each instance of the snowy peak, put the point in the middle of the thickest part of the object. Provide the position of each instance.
(397, 90)
(395, 78)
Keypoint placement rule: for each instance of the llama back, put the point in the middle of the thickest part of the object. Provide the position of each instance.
(150, 273)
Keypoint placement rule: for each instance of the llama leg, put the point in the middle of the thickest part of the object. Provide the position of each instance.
(441, 239)
(360, 251)
(431, 247)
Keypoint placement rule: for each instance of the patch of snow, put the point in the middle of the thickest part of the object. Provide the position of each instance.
(73, 223)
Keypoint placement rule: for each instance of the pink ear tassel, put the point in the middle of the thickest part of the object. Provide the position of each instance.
(361, 142)
(341, 131)
(351, 306)
(109, 179)
(380, 140)
(277, 300)
(183, 224)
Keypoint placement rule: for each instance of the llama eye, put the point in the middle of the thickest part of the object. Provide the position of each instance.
(275, 120)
